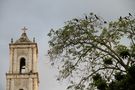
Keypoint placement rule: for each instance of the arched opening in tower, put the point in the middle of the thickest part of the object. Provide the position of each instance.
(20, 89)
(22, 65)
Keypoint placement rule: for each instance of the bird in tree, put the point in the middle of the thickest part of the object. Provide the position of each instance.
(92, 54)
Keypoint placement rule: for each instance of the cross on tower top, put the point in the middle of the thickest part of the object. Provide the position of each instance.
(24, 29)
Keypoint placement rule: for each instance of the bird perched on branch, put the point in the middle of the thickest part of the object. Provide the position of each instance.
(86, 17)
(120, 18)
(76, 20)
(96, 16)
(130, 14)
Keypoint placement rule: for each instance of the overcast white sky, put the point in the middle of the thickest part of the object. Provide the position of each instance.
(42, 15)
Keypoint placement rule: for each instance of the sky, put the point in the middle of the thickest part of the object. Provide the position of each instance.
(40, 16)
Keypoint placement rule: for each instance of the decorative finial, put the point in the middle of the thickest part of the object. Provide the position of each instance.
(24, 29)
(34, 39)
(11, 40)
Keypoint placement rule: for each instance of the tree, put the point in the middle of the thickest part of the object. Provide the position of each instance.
(90, 52)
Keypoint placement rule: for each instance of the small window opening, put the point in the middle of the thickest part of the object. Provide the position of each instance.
(21, 89)
(22, 66)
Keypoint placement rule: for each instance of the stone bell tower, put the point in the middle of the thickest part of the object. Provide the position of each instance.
(23, 74)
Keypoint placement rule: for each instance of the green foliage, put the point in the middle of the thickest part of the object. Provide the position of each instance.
(89, 45)
(96, 77)
(123, 51)
(131, 71)
(119, 76)
(99, 82)
(122, 82)
(108, 61)
(101, 85)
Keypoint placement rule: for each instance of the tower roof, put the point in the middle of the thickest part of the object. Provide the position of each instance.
(24, 38)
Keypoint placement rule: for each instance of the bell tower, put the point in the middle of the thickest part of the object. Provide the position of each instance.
(23, 74)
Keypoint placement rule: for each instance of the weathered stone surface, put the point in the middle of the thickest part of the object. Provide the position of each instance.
(23, 73)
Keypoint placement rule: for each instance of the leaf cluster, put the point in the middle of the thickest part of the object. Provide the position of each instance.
(89, 45)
